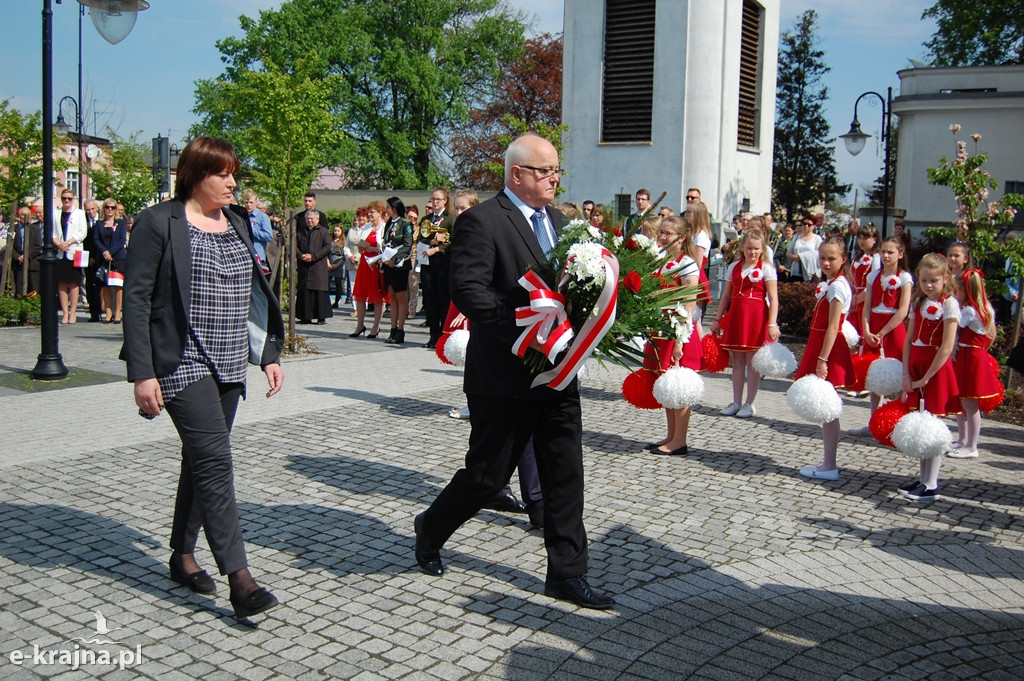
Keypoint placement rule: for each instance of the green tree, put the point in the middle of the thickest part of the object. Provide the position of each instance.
(129, 178)
(21, 163)
(803, 164)
(976, 33)
(407, 71)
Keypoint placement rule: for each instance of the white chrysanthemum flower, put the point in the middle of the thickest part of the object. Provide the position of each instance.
(682, 323)
(617, 241)
(593, 231)
(643, 241)
(586, 264)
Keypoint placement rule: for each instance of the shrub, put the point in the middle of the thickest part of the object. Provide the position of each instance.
(796, 305)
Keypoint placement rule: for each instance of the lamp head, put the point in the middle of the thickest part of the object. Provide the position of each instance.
(855, 139)
(114, 19)
(60, 126)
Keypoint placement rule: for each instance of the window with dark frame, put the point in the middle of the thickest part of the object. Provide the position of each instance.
(749, 122)
(627, 97)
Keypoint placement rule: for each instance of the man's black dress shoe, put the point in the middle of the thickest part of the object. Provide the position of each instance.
(576, 590)
(199, 582)
(428, 560)
(258, 601)
(506, 503)
(537, 517)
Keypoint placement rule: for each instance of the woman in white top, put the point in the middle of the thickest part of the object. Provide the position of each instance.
(803, 251)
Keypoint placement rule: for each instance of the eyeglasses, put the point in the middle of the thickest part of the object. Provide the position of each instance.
(544, 173)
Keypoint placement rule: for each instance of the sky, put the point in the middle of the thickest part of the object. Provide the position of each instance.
(146, 82)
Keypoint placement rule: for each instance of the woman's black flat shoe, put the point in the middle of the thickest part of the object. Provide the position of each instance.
(675, 452)
(358, 332)
(199, 582)
(258, 601)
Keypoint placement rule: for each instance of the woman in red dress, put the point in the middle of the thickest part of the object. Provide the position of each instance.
(975, 381)
(368, 288)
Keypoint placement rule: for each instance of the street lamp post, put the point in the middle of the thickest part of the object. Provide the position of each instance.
(110, 17)
(855, 140)
(62, 128)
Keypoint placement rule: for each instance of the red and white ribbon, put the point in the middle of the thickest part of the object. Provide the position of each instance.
(544, 318)
(592, 331)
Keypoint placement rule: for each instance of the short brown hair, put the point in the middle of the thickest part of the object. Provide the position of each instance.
(201, 157)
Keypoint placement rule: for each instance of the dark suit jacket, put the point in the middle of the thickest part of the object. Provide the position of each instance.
(113, 240)
(158, 294)
(492, 246)
(34, 236)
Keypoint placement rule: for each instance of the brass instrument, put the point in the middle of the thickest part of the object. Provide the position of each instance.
(429, 231)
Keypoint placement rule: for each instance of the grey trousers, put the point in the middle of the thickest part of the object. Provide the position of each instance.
(203, 414)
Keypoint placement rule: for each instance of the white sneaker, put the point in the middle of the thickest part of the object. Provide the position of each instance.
(813, 473)
(962, 453)
(459, 412)
(861, 432)
(852, 393)
(746, 411)
(731, 410)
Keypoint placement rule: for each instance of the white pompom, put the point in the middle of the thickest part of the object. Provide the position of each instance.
(774, 360)
(679, 388)
(814, 399)
(850, 332)
(885, 376)
(921, 435)
(455, 347)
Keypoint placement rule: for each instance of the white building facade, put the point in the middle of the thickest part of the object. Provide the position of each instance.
(987, 100)
(670, 94)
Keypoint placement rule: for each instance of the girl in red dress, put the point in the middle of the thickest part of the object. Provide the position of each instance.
(973, 378)
(827, 354)
(865, 262)
(929, 380)
(886, 305)
(958, 255)
(680, 270)
(751, 299)
(699, 225)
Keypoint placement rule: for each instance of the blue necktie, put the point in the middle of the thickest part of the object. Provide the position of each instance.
(542, 233)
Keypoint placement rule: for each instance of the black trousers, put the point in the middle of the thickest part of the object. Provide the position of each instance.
(92, 290)
(500, 431)
(203, 413)
(436, 297)
(529, 480)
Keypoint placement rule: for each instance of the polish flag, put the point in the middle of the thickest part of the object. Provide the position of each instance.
(81, 258)
(115, 279)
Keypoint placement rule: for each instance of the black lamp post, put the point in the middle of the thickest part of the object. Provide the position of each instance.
(110, 17)
(62, 128)
(855, 140)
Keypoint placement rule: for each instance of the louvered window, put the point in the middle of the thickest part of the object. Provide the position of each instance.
(628, 94)
(750, 76)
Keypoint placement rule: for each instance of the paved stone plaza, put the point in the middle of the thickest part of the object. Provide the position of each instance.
(725, 563)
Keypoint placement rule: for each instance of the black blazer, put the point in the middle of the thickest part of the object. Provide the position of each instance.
(158, 293)
(492, 246)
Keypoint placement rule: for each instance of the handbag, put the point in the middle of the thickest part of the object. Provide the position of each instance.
(101, 275)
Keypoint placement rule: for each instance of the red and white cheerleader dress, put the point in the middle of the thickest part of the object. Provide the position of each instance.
(702, 240)
(840, 362)
(861, 268)
(745, 326)
(941, 394)
(885, 302)
(693, 352)
(972, 365)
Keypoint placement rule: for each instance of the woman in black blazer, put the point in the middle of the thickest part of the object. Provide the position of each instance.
(197, 307)
(110, 237)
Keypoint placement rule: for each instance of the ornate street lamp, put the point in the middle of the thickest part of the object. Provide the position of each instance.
(855, 140)
(114, 19)
(49, 363)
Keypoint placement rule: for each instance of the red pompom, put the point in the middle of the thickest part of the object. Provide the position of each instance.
(439, 349)
(716, 359)
(638, 389)
(884, 420)
(996, 369)
(860, 369)
(988, 405)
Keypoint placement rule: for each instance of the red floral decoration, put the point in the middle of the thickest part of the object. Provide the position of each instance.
(860, 369)
(884, 420)
(716, 358)
(439, 349)
(632, 245)
(638, 389)
(633, 282)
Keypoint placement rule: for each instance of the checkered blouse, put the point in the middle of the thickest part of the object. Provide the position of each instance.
(217, 343)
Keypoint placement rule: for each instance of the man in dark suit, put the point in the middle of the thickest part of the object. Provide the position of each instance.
(493, 245)
(28, 246)
(92, 283)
